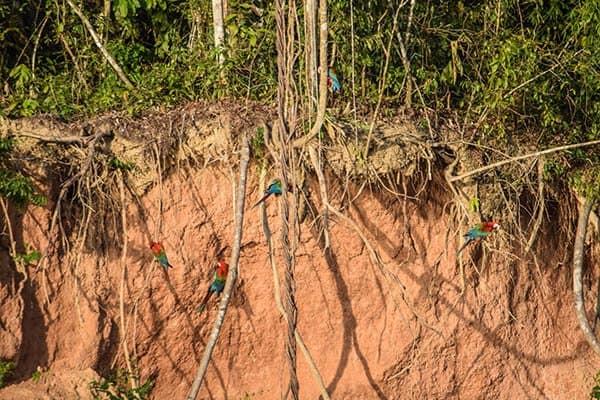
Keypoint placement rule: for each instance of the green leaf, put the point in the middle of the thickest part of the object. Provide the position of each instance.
(474, 204)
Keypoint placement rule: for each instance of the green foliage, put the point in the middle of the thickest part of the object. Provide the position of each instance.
(587, 181)
(6, 145)
(474, 204)
(66, 75)
(595, 393)
(6, 370)
(117, 164)
(14, 186)
(257, 144)
(35, 377)
(553, 169)
(117, 387)
(29, 256)
(19, 189)
(21, 75)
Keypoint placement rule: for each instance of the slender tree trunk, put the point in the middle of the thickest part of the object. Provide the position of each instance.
(231, 276)
(217, 8)
(98, 41)
(106, 22)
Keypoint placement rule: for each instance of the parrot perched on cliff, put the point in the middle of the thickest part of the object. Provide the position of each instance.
(480, 230)
(159, 254)
(274, 188)
(333, 82)
(218, 283)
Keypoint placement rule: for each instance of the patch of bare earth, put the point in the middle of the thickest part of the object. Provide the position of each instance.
(411, 330)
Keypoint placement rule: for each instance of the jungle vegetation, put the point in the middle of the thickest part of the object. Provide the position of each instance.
(505, 73)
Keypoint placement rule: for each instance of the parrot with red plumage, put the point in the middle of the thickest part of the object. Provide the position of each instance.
(478, 231)
(159, 254)
(333, 83)
(218, 283)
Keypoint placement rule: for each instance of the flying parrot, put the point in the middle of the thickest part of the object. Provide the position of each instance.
(159, 254)
(480, 230)
(218, 283)
(333, 82)
(274, 188)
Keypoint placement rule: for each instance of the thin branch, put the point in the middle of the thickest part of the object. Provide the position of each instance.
(378, 263)
(323, 186)
(540, 209)
(122, 287)
(382, 85)
(98, 42)
(79, 74)
(231, 276)
(539, 75)
(578, 256)
(522, 157)
(353, 57)
(19, 264)
(404, 56)
(36, 44)
(57, 139)
(91, 151)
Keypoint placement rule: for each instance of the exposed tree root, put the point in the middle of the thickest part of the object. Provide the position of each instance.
(541, 208)
(477, 171)
(19, 264)
(578, 256)
(91, 151)
(316, 162)
(131, 375)
(277, 291)
(377, 262)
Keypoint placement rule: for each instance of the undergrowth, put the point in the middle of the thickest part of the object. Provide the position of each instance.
(13, 185)
(6, 370)
(118, 387)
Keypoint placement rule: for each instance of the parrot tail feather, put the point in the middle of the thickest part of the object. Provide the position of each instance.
(463, 247)
(203, 304)
(261, 200)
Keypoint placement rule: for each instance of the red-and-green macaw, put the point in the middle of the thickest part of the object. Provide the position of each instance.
(333, 82)
(218, 283)
(159, 254)
(478, 231)
(274, 188)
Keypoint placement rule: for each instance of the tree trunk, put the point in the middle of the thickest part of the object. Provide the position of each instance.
(217, 8)
(231, 276)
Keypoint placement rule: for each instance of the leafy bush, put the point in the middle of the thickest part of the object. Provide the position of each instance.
(117, 387)
(29, 256)
(19, 189)
(6, 369)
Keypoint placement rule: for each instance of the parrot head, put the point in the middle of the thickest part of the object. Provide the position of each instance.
(222, 268)
(490, 226)
(277, 182)
(155, 246)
